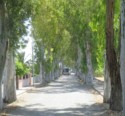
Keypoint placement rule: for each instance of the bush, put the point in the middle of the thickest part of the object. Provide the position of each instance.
(21, 69)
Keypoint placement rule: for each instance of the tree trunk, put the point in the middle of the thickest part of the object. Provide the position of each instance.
(107, 84)
(113, 65)
(53, 69)
(1, 99)
(3, 46)
(79, 60)
(41, 74)
(89, 77)
(9, 79)
(122, 55)
(42, 71)
(80, 74)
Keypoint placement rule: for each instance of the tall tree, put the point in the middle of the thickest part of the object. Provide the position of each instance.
(3, 44)
(107, 83)
(113, 64)
(12, 17)
(9, 78)
(122, 54)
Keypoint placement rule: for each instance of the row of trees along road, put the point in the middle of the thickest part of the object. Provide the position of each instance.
(12, 17)
(86, 35)
(94, 34)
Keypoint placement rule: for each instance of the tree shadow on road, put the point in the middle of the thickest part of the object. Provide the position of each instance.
(82, 110)
(64, 86)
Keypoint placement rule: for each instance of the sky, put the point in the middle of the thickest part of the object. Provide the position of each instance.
(28, 49)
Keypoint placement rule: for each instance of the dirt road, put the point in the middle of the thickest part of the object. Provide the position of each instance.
(63, 97)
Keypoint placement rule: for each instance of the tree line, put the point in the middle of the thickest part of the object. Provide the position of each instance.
(85, 35)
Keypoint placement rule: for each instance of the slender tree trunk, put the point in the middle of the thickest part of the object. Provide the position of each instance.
(1, 98)
(79, 71)
(107, 84)
(89, 77)
(3, 46)
(79, 59)
(122, 54)
(41, 73)
(9, 79)
(53, 71)
(113, 65)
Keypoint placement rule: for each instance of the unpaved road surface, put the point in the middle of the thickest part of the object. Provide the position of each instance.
(63, 97)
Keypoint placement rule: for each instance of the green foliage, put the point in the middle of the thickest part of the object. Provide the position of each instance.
(64, 25)
(49, 26)
(21, 69)
(17, 12)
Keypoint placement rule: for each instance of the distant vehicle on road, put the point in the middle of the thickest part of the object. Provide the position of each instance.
(66, 71)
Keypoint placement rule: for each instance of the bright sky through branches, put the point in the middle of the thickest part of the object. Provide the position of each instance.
(28, 49)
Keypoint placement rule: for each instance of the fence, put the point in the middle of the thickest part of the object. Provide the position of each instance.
(24, 81)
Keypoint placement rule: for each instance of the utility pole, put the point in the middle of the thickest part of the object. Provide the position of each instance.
(32, 62)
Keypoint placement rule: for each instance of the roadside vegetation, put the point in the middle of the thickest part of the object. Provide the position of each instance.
(87, 36)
